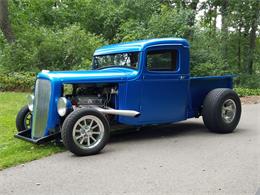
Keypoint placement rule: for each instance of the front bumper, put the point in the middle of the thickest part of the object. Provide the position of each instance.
(26, 136)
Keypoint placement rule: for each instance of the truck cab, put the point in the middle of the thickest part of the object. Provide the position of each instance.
(137, 83)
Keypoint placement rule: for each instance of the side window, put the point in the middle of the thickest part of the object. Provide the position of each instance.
(162, 60)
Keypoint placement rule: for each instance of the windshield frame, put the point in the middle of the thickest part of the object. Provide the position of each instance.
(95, 67)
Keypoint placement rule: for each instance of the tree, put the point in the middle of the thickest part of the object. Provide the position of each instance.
(190, 6)
(43, 26)
(252, 36)
(210, 13)
(4, 21)
(224, 7)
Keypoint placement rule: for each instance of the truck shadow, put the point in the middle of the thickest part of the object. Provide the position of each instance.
(159, 131)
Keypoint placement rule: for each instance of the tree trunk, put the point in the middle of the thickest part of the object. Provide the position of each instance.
(224, 27)
(252, 39)
(4, 21)
(193, 7)
(239, 48)
(224, 14)
(215, 14)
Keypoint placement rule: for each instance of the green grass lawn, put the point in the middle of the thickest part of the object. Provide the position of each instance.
(14, 151)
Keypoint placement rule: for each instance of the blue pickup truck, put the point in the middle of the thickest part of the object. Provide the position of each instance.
(136, 83)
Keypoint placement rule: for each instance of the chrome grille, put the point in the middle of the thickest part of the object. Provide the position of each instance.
(41, 107)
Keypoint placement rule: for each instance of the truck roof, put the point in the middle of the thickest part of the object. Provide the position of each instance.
(140, 45)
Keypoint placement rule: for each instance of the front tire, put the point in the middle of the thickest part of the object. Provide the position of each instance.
(23, 119)
(221, 110)
(85, 132)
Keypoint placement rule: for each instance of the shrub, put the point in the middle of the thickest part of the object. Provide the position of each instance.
(42, 48)
(71, 48)
(248, 81)
(247, 92)
(22, 81)
(210, 69)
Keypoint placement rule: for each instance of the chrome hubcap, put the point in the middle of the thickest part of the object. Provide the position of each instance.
(88, 132)
(228, 110)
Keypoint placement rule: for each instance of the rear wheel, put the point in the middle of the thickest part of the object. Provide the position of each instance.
(221, 110)
(23, 119)
(85, 132)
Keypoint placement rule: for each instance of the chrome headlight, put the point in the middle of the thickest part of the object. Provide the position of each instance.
(30, 99)
(62, 106)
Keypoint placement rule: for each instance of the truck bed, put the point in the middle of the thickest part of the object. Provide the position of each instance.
(200, 87)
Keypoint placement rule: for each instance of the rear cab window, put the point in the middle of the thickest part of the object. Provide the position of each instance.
(162, 60)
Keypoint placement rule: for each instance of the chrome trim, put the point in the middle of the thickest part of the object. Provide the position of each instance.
(30, 99)
(62, 106)
(41, 107)
(131, 113)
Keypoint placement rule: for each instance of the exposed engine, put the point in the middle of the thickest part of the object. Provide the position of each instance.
(89, 100)
(92, 94)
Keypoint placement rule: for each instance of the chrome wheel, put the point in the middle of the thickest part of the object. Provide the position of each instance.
(88, 132)
(228, 112)
(27, 120)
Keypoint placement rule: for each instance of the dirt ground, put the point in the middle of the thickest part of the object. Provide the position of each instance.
(250, 99)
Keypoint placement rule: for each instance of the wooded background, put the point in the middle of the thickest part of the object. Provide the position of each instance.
(62, 34)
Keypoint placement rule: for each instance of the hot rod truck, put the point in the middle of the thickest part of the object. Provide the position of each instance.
(136, 83)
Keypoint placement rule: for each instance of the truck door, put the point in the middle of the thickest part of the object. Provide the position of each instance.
(164, 86)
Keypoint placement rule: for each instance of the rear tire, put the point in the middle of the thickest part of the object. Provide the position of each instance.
(23, 119)
(85, 132)
(221, 110)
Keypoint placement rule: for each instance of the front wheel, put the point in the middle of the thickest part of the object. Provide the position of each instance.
(221, 110)
(23, 119)
(85, 132)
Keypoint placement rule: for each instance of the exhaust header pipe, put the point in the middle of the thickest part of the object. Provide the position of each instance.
(130, 113)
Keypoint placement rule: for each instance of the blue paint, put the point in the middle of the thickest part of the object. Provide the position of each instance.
(160, 96)
(139, 45)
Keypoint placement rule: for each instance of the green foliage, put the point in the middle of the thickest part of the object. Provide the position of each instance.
(42, 48)
(17, 81)
(208, 69)
(166, 22)
(70, 48)
(62, 35)
(247, 92)
(248, 81)
(132, 30)
(170, 23)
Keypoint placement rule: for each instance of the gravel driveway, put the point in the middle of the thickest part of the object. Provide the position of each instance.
(183, 158)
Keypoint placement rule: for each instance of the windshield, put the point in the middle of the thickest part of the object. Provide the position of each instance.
(129, 60)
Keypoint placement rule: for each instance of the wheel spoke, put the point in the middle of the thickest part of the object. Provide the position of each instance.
(91, 123)
(94, 127)
(88, 131)
(78, 137)
(81, 141)
(93, 138)
(96, 133)
(82, 127)
(88, 140)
